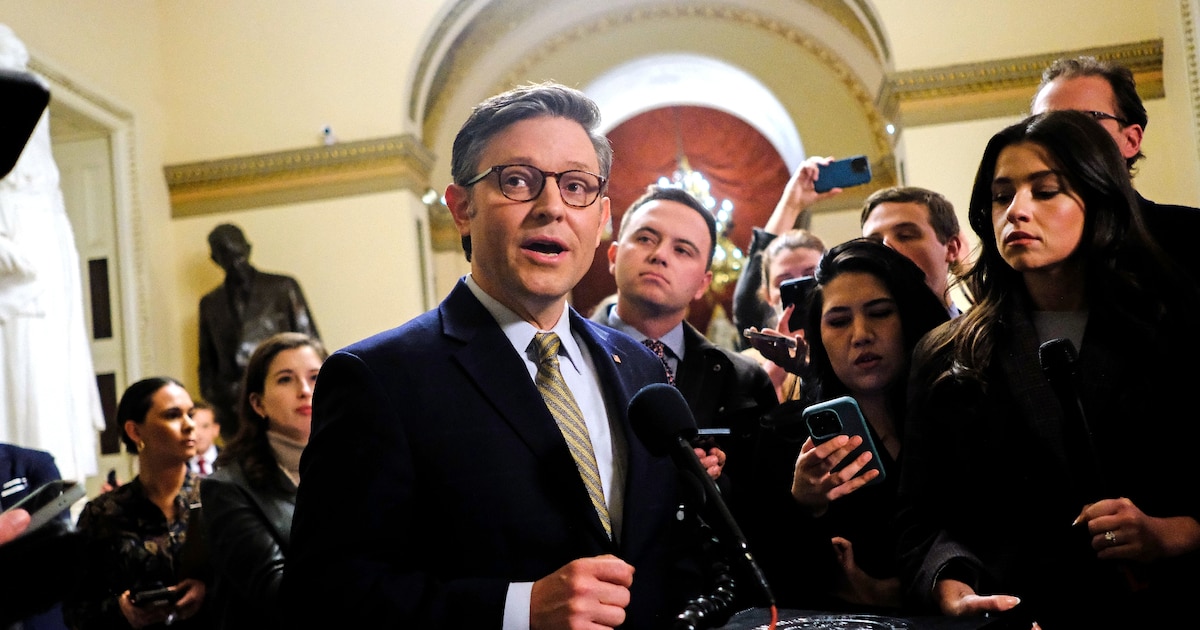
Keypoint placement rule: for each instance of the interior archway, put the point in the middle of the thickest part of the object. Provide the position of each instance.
(824, 61)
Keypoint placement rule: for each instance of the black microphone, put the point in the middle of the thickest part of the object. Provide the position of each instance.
(663, 422)
(1058, 359)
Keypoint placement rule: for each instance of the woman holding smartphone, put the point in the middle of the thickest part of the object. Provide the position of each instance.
(825, 536)
(249, 500)
(136, 535)
(1077, 503)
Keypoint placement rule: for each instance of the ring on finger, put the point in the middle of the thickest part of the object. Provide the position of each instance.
(1111, 537)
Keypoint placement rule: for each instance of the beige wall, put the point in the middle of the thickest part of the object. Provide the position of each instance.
(225, 78)
(215, 79)
(944, 157)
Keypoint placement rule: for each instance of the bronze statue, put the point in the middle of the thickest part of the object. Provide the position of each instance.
(235, 317)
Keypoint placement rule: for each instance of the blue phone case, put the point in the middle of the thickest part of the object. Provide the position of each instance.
(841, 416)
(844, 173)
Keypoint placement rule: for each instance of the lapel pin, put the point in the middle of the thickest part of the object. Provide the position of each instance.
(616, 358)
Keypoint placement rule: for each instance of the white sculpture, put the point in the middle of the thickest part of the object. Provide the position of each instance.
(48, 395)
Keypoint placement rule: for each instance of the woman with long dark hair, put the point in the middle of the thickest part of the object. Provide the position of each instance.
(824, 536)
(1052, 478)
(249, 500)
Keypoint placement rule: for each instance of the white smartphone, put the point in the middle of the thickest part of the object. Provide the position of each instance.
(49, 501)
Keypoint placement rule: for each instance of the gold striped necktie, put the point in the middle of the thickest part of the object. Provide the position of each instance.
(569, 418)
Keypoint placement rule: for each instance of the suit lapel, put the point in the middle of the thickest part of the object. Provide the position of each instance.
(490, 362)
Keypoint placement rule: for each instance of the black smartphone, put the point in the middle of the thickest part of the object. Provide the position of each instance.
(842, 416)
(774, 340)
(844, 173)
(147, 598)
(49, 502)
(798, 292)
(707, 438)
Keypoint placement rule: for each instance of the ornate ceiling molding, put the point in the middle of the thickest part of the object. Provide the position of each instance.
(299, 175)
(477, 35)
(1001, 87)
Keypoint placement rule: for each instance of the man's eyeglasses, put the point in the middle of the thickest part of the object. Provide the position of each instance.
(522, 182)
(1098, 116)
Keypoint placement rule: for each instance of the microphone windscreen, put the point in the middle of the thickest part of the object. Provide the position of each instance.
(1057, 357)
(659, 415)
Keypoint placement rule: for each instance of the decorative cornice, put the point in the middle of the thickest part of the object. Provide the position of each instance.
(1187, 13)
(490, 24)
(1001, 87)
(348, 168)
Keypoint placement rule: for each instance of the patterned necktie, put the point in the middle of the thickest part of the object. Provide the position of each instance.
(569, 418)
(660, 349)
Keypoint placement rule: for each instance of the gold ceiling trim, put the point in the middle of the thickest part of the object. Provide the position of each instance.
(299, 175)
(500, 17)
(793, 35)
(1002, 87)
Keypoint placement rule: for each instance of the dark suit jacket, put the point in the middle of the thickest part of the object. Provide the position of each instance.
(276, 305)
(247, 530)
(435, 476)
(1175, 229)
(726, 390)
(48, 558)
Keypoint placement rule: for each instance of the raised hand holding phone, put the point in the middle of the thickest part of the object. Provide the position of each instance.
(839, 458)
(844, 173)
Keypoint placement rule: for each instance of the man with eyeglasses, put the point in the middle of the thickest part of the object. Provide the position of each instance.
(438, 487)
(1106, 91)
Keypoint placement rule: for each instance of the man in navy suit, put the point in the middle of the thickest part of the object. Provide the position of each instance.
(437, 490)
(47, 560)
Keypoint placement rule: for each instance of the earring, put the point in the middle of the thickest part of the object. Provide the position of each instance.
(141, 445)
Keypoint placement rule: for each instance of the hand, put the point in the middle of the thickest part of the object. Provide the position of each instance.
(140, 617)
(1121, 531)
(957, 599)
(192, 600)
(12, 524)
(798, 196)
(713, 461)
(791, 359)
(815, 486)
(586, 593)
(857, 587)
